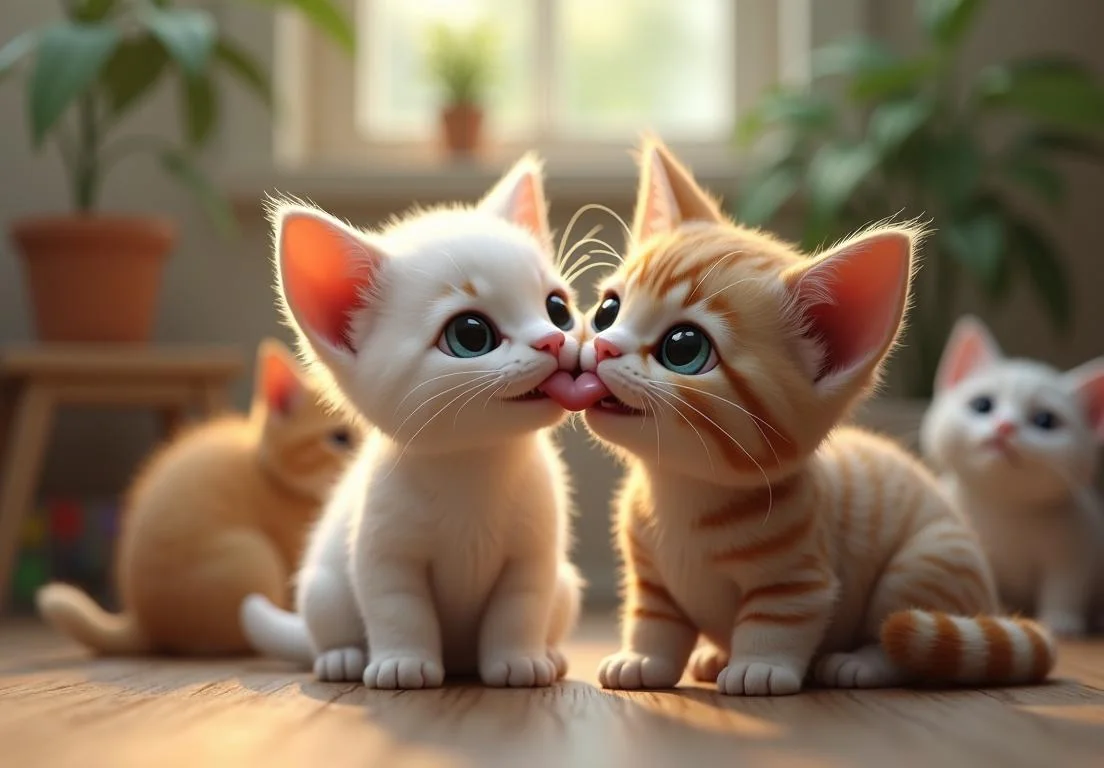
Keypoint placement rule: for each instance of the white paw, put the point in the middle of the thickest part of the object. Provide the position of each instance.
(405, 672)
(518, 671)
(630, 671)
(758, 678)
(339, 665)
(706, 663)
(1069, 625)
(559, 661)
(866, 668)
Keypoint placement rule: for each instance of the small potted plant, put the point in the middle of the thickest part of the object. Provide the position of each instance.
(461, 61)
(95, 276)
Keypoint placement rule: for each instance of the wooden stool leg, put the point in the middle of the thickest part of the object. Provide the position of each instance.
(22, 463)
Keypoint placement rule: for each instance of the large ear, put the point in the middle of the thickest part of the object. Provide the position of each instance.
(851, 302)
(328, 274)
(278, 381)
(519, 198)
(668, 194)
(1087, 381)
(970, 348)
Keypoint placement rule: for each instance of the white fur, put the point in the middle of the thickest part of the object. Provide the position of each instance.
(444, 547)
(1034, 508)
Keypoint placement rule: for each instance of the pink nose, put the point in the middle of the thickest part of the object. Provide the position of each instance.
(1005, 429)
(605, 349)
(552, 343)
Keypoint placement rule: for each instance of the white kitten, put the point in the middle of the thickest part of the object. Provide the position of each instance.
(445, 545)
(1018, 443)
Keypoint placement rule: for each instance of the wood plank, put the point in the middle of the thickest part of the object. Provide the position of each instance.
(65, 360)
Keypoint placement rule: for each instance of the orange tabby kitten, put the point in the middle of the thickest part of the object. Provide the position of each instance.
(747, 516)
(219, 513)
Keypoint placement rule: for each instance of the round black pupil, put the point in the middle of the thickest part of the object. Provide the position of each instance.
(558, 312)
(1045, 419)
(683, 346)
(472, 333)
(341, 437)
(607, 313)
(982, 404)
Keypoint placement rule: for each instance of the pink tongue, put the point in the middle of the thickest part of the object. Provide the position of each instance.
(574, 394)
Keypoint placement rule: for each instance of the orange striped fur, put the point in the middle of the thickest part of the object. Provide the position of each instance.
(752, 524)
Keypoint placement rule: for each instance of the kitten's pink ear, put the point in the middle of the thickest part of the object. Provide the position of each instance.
(668, 194)
(852, 301)
(519, 198)
(970, 348)
(327, 274)
(278, 382)
(1088, 382)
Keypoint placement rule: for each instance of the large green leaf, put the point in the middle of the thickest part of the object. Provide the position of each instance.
(945, 21)
(69, 59)
(1033, 174)
(94, 10)
(15, 50)
(200, 109)
(180, 166)
(187, 33)
(132, 71)
(835, 173)
(1057, 91)
(766, 193)
(977, 242)
(851, 57)
(952, 168)
(894, 122)
(796, 109)
(326, 16)
(239, 62)
(1048, 275)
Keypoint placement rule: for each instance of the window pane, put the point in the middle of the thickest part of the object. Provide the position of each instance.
(627, 65)
(397, 97)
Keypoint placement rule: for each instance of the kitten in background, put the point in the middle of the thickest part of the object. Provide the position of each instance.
(1018, 444)
(444, 546)
(749, 517)
(219, 512)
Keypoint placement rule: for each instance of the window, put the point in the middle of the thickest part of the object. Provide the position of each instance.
(569, 73)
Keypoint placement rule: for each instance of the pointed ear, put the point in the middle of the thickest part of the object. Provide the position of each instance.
(519, 198)
(328, 273)
(279, 383)
(1087, 381)
(970, 348)
(851, 301)
(668, 194)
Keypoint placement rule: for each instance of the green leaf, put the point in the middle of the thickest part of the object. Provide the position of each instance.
(977, 242)
(799, 110)
(242, 65)
(132, 71)
(1048, 275)
(895, 122)
(1032, 174)
(1043, 140)
(200, 110)
(945, 21)
(767, 193)
(180, 166)
(188, 34)
(836, 172)
(15, 49)
(851, 57)
(1057, 91)
(94, 10)
(952, 169)
(69, 59)
(324, 15)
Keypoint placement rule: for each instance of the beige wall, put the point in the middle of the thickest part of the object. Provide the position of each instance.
(218, 291)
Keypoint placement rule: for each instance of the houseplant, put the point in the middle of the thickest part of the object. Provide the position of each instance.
(461, 60)
(94, 276)
(903, 136)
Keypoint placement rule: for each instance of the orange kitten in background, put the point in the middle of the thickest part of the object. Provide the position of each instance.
(748, 517)
(219, 513)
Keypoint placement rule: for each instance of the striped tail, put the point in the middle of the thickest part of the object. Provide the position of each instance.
(984, 650)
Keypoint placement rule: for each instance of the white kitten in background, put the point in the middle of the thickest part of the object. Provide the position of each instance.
(445, 545)
(1018, 444)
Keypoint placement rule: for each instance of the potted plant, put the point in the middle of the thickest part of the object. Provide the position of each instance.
(461, 60)
(95, 276)
(903, 138)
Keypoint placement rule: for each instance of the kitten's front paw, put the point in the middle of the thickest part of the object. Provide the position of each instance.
(518, 671)
(706, 663)
(758, 678)
(559, 661)
(868, 667)
(1067, 625)
(339, 665)
(405, 672)
(630, 671)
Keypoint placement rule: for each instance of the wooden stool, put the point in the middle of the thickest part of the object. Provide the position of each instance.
(35, 380)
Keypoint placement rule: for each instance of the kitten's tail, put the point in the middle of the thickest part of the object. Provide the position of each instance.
(275, 632)
(983, 650)
(73, 613)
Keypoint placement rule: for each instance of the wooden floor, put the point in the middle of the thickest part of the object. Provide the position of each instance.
(58, 708)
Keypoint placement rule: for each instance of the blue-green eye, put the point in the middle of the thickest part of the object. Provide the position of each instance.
(468, 335)
(687, 350)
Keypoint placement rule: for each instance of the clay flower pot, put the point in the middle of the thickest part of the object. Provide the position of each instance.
(463, 127)
(94, 278)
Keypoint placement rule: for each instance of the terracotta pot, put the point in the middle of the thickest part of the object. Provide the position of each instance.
(94, 278)
(463, 126)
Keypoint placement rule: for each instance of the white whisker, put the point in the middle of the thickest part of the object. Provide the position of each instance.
(704, 277)
(561, 257)
(708, 453)
(481, 390)
(438, 378)
(582, 271)
(722, 290)
(475, 381)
